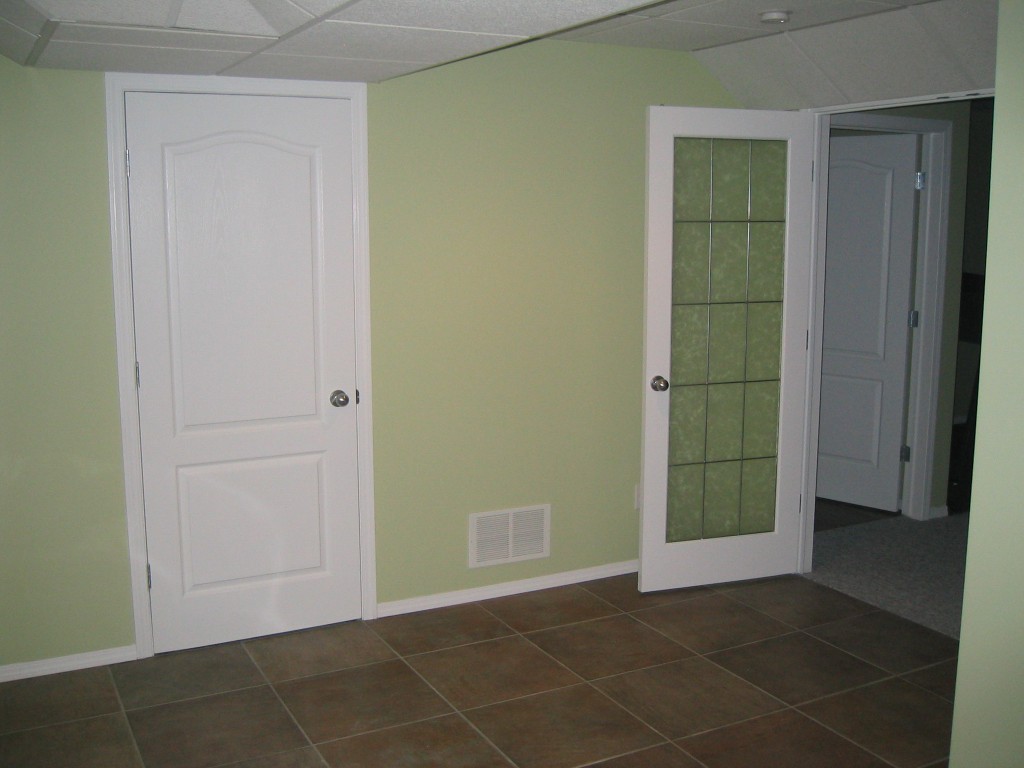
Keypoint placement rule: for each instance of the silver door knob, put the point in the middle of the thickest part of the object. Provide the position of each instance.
(339, 399)
(659, 383)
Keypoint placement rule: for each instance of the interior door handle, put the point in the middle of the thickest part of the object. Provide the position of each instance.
(339, 399)
(659, 383)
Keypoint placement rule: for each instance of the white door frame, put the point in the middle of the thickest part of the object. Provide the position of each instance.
(116, 86)
(929, 299)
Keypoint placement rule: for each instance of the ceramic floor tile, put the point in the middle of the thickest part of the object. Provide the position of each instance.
(900, 722)
(939, 679)
(548, 608)
(622, 592)
(56, 698)
(608, 646)
(797, 668)
(563, 728)
(687, 697)
(663, 756)
(439, 628)
(361, 699)
(316, 651)
(486, 673)
(447, 742)
(781, 740)
(185, 675)
(711, 623)
(797, 601)
(889, 641)
(214, 730)
(99, 742)
(293, 758)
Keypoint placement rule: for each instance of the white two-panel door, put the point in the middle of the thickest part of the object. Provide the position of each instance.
(872, 213)
(728, 289)
(241, 218)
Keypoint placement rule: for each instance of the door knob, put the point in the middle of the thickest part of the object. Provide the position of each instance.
(339, 399)
(659, 383)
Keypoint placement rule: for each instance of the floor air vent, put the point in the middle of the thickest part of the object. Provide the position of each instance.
(509, 535)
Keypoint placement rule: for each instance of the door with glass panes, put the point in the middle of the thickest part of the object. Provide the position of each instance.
(728, 285)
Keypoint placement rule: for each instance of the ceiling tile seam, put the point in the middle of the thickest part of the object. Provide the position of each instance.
(116, 46)
(931, 33)
(515, 38)
(886, 9)
(41, 42)
(792, 37)
(174, 12)
(169, 32)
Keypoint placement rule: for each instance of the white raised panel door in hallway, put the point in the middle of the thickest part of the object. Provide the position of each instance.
(241, 217)
(868, 282)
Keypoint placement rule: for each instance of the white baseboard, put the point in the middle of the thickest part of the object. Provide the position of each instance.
(67, 663)
(935, 512)
(504, 589)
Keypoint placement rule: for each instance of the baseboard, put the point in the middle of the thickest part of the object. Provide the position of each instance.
(504, 589)
(936, 512)
(67, 663)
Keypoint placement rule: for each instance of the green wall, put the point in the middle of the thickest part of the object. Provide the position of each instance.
(507, 250)
(64, 584)
(989, 707)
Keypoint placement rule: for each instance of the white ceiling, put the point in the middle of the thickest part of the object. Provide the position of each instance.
(374, 40)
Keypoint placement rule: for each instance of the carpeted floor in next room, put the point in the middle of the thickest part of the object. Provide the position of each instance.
(912, 568)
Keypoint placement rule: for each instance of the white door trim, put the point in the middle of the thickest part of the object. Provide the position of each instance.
(929, 299)
(116, 86)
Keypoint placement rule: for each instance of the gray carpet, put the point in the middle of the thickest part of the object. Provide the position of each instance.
(911, 568)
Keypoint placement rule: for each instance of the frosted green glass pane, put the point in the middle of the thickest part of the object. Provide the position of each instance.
(692, 179)
(721, 499)
(757, 510)
(691, 259)
(764, 340)
(689, 344)
(765, 261)
(726, 354)
(730, 180)
(728, 262)
(761, 419)
(687, 416)
(725, 422)
(767, 180)
(685, 512)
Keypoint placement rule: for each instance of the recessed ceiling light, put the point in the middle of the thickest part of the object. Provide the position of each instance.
(774, 17)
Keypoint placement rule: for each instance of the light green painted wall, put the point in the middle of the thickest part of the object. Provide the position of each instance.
(989, 707)
(507, 249)
(64, 585)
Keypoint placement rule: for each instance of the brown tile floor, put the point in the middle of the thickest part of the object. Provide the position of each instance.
(780, 672)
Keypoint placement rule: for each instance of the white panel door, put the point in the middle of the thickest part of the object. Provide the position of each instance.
(868, 280)
(242, 267)
(728, 276)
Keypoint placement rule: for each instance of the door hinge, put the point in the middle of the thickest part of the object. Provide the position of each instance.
(812, 170)
(913, 318)
(138, 376)
(149, 576)
(800, 505)
(357, 397)
(904, 453)
(920, 179)
(127, 163)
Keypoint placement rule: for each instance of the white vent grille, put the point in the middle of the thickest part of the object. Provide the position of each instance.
(509, 535)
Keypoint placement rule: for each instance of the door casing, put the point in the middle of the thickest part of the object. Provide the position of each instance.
(116, 86)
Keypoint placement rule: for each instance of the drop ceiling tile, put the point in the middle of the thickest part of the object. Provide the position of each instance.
(146, 13)
(805, 13)
(770, 73)
(20, 14)
(236, 16)
(885, 56)
(321, 7)
(965, 30)
(505, 17)
(65, 54)
(321, 68)
(341, 39)
(281, 15)
(15, 42)
(665, 33)
(157, 38)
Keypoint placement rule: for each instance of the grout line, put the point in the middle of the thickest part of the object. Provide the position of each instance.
(124, 714)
